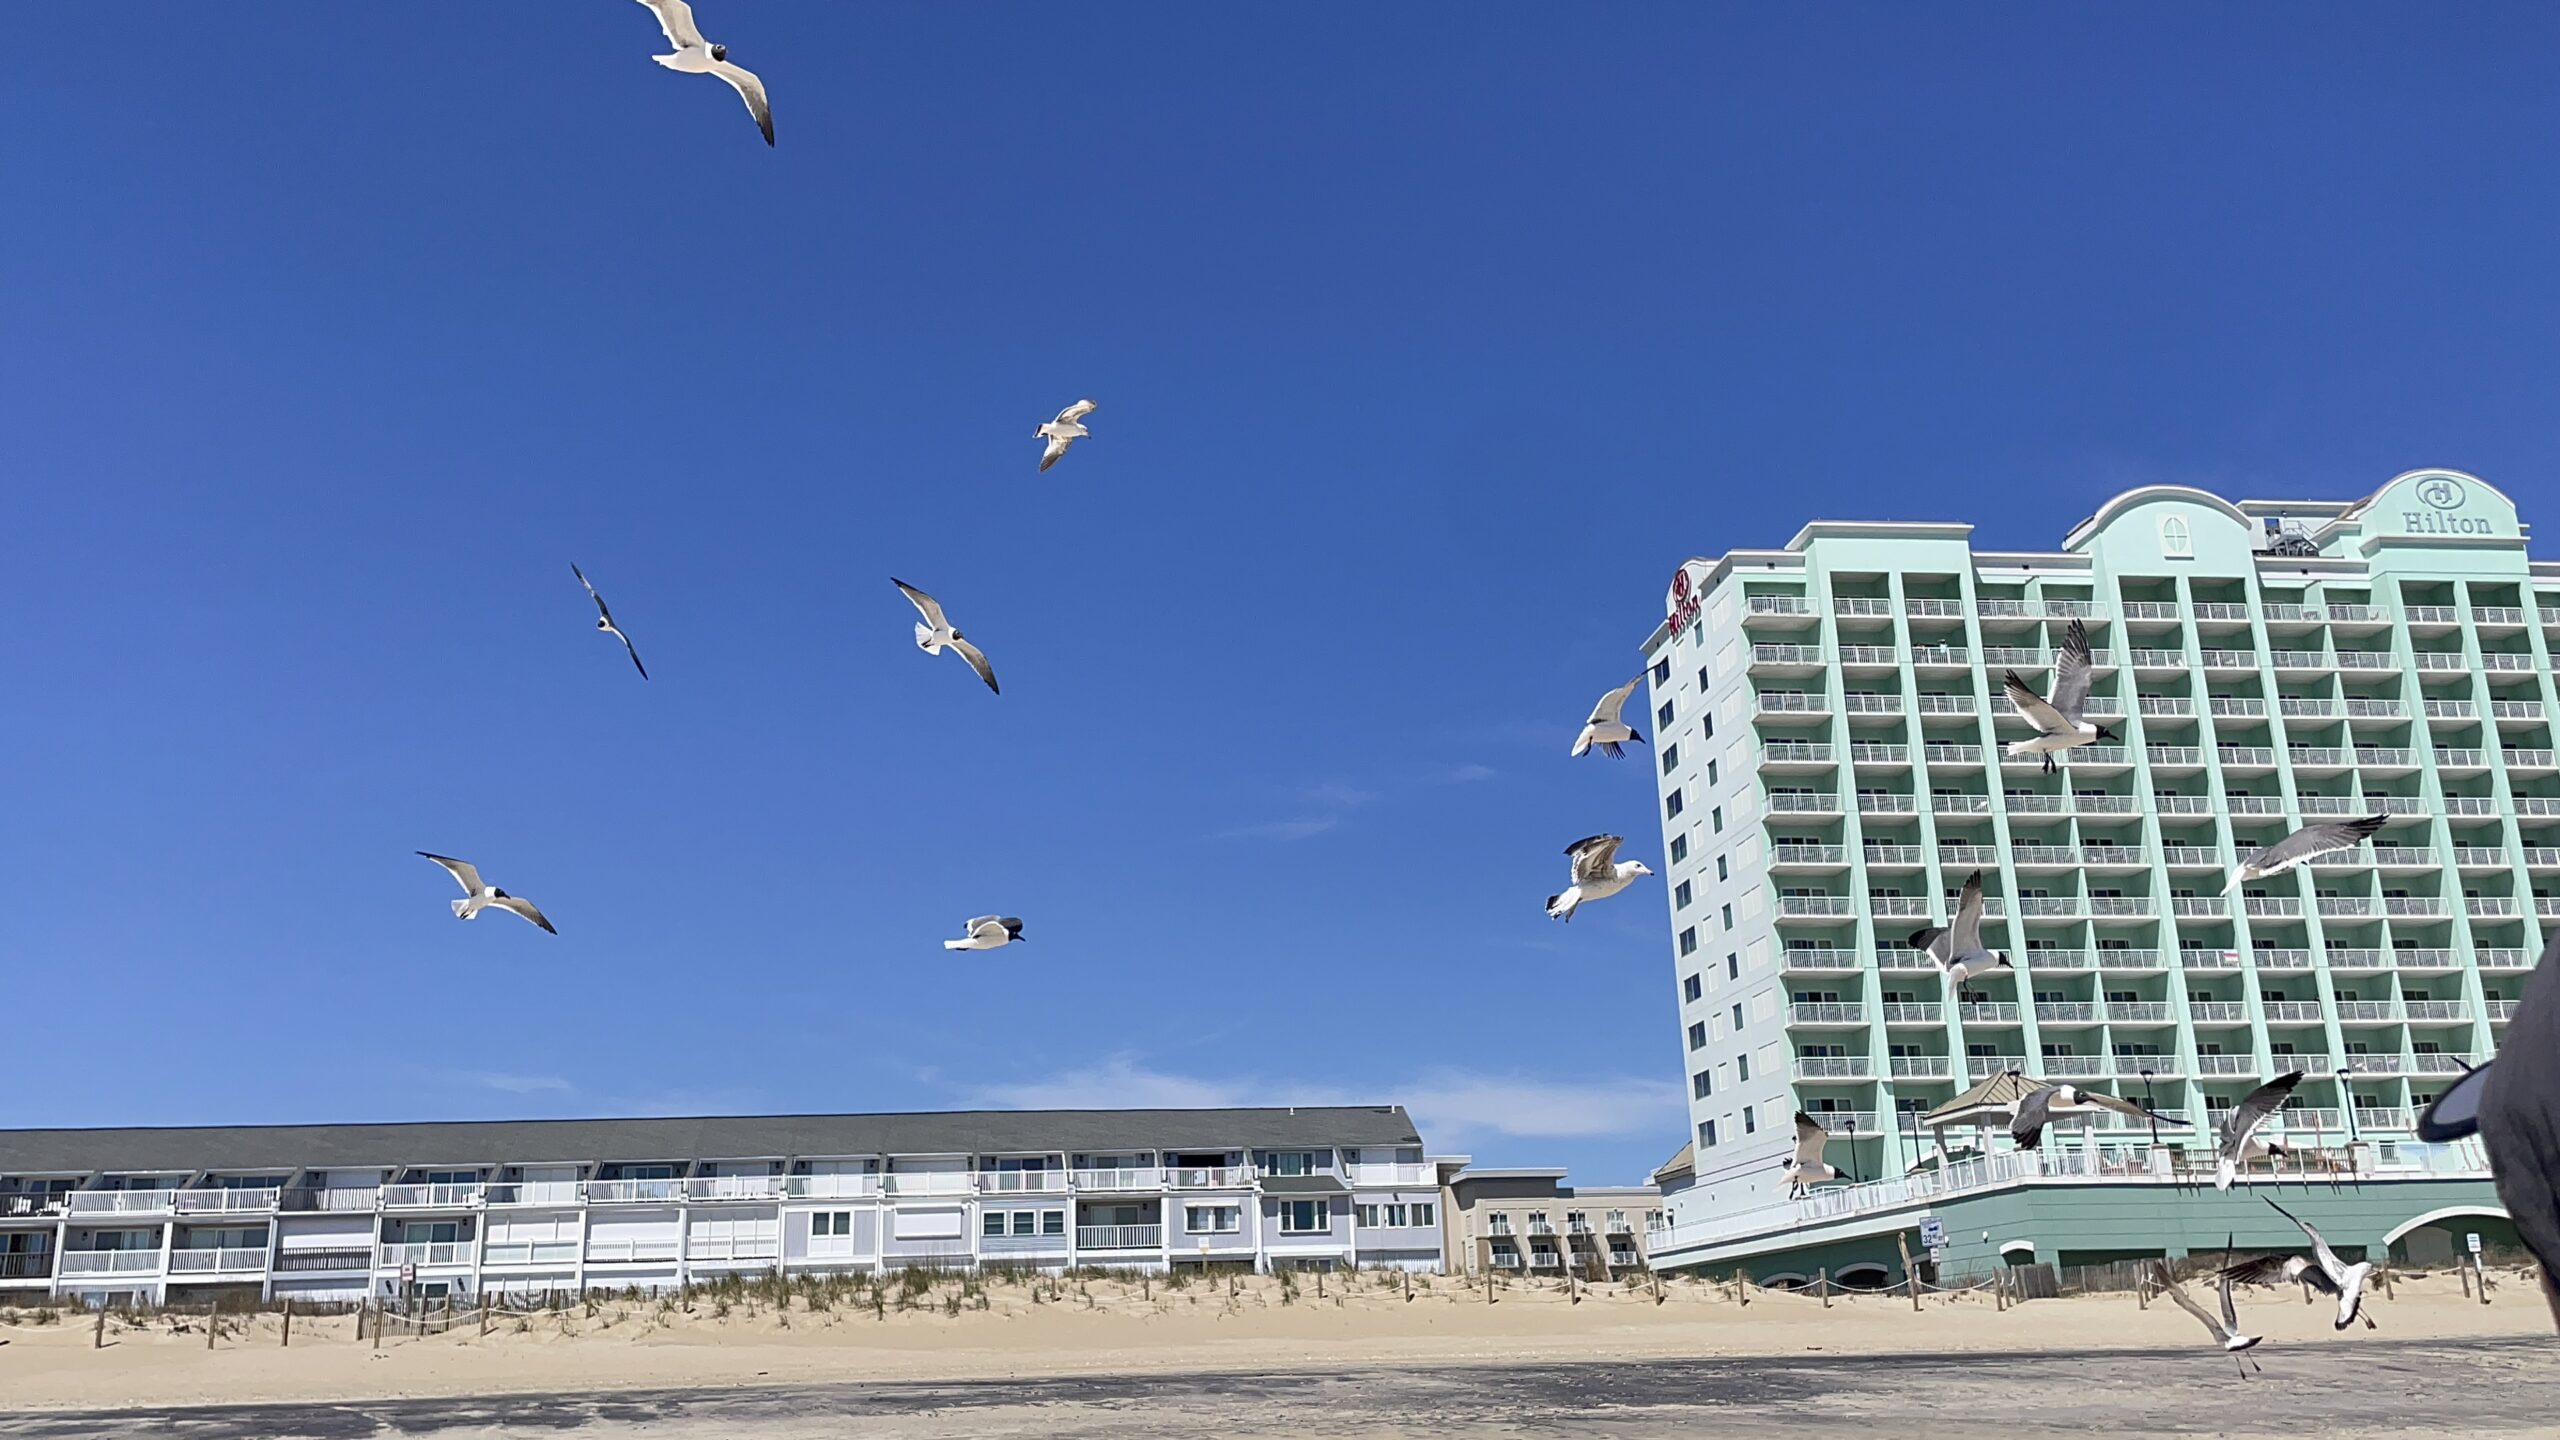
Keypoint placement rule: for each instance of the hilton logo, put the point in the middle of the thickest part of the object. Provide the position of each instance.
(2442, 493)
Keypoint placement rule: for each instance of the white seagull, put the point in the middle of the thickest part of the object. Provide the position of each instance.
(1806, 1168)
(2225, 1329)
(2059, 725)
(2323, 1272)
(1597, 874)
(1604, 729)
(2236, 1145)
(697, 56)
(988, 932)
(2037, 1108)
(2328, 837)
(936, 633)
(604, 620)
(1062, 432)
(1957, 945)
(478, 895)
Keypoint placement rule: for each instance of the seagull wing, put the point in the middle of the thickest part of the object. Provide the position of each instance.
(1074, 413)
(2035, 1110)
(1606, 712)
(463, 870)
(2222, 1286)
(2326, 838)
(2071, 673)
(2031, 707)
(634, 652)
(1594, 858)
(751, 90)
(1964, 932)
(925, 604)
(981, 927)
(591, 590)
(676, 18)
(1810, 1140)
(1049, 453)
(977, 659)
(2126, 1107)
(523, 907)
(1931, 940)
(2255, 1270)
(2331, 1267)
(2253, 1110)
(2177, 1292)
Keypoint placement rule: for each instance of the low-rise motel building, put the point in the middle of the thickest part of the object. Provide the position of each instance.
(1830, 731)
(343, 1212)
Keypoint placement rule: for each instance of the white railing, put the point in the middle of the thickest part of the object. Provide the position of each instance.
(627, 1192)
(2272, 906)
(831, 1187)
(121, 1202)
(926, 1182)
(430, 1252)
(1883, 854)
(2226, 1065)
(733, 1187)
(2066, 1012)
(1380, 1172)
(224, 1202)
(1804, 906)
(730, 1249)
(2164, 660)
(533, 1252)
(2366, 1011)
(2077, 1067)
(2426, 957)
(413, 1197)
(2291, 1012)
(2501, 1011)
(1983, 1067)
(1902, 1012)
(2435, 1011)
(1919, 1067)
(1898, 907)
(1940, 657)
(1806, 751)
(2504, 958)
(1946, 704)
(1941, 752)
(332, 1199)
(2139, 1012)
(1788, 802)
(197, 1262)
(2451, 710)
(2192, 856)
(1834, 1067)
(1021, 1182)
(2218, 1012)
(1144, 1177)
(1119, 1237)
(109, 1262)
(2524, 757)
(1877, 752)
(1809, 855)
(1776, 605)
(1209, 1177)
(1800, 654)
(1878, 802)
(2358, 958)
(1820, 958)
(534, 1192)
(1789, 702)
(630, 1252)
(1988, 1012)
(2281, 958)
(2515, 710)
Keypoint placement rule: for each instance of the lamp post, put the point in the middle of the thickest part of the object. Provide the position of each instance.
(2347, 1100)
(2151, 1109)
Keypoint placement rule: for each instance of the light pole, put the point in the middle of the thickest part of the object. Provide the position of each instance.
(2151, 1109)
(2347, 1101)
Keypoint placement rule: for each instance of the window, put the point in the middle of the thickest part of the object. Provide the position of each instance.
(1423, 1212)
(1742, 1067)
(1679, 848)
(2175, 540)
(991, 1223)
(1212, 1219)
(1733, 966)
(1737, 1017)
(1692, 987)
(1707, 1134)
(1711, 772)
(1304, 1217)
(1670, 758)
(1025, 1221)
(1673, 804)
(1680, 896)
(1289, 1162)
(1717, 816)
(1053, 1222)
(1662, 671)
(1689, 946)
(840, 1222)
(1395, 1216)
(1750, 1124)
(1711, 720)
(1698, 1036)
(1720, 870)
(1728, 917)
(1701, 1085)
(1662, 716)
(1702, 684)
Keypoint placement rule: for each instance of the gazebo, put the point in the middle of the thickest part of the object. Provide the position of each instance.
(1993, 1102)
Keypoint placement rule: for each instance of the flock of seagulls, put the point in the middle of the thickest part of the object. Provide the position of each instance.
(2322, 1271)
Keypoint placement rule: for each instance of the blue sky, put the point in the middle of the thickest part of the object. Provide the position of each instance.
(1427, 340)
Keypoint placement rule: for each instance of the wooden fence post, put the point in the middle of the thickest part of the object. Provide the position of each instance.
(1657, 1286)
(1822, 1283)
(1908, 1273)
(2460, 1270)
(98, 1333)
(377, 1323)
(287, 1340)
(1999, 1291)
(1488, 1284)
(1408, 1287)
(212, 1322)
(2484, 1279)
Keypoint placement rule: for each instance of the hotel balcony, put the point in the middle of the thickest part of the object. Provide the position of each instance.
(1856, 657)
(2358, 958)
(1210, 1177)
(2221, 1065)
(2435, 1012)
(831, 1187)
(1988, 1012)
(626, 1252)
(1905, 1012)
(1792, 659)
(927, 1182)
(1121, 1180)
(2066, 1014)
(634, 1192)
(2425, 958)
(121, 1202)
(26, 1265)
(1786, 757)
(2451, 710)
(2386, 1118)
(2503, 959)
(432, 1197)
(1788, 705)
(1022, 1182)
(1951, 755)
(1808, 857)
(2193, 857)
(223, 1202)
(2531, 758)
(306, 1261)
(341, 1199)
(423, 1253)
(1815, 907)
(1826, 1015)
(2217, 1012)
(109, 1262)
(2140, 1012)
(734, 1187)
(2488, 857)
(2515, 712)
(1820, 960)
(1119, 1237)
(2367, 1012)
(1940, 657)
(1777, 611)
(1894, 857)
(1816, 804)
(1834, 1067)
(2281, 957)
(1919, 1067)
(1879, 755)
(2077, 1067)
(525, 1254)
(1982, 1067)
(227, 1260)
(2500, 1011)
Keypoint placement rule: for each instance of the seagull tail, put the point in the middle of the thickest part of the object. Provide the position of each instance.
(462, 910)
(2236, 877)
(924, 634)
(2223, 1171)
(1559, 908)
(1582, 744)
(955, 944)
(1610, 749)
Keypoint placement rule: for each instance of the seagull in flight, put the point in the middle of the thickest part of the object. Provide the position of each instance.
(479, 895)
(1806, 1168)
(2235, 1145)
(1604, 729)
(2058, 723)
(1062, 432)
(2323, 1272)
(2327, 837)
(1597, 874)
(2226, 1328)
(697, 56)
(2037, 1108)
(604, 619)
(1957, 945)
(988, 932)
(936, 633)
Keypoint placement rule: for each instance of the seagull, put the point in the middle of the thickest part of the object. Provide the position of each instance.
(2058, 724)
(1604, 728)
(1806, 1168)
(697, 56)
(2037, 1108)
(2227, 1328)
(604, 619)
(1597, 874)
(478, 895)
(1062, 432)
(2323, 1272)
(2235, 1147)
(936, 633)
(1957, 946)
(988, 932)
(2325, 838)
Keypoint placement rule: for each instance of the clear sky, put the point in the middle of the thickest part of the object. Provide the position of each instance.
(1428, 338)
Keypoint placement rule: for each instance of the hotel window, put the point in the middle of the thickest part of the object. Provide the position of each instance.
(1742, 1067)
(2175, 540)
(1289, 1162)
(1733, 966)
(1720, 870)
(1212, 1219)
(1707, 1134)
(1728, 917)
(1422, 1212)
(1737, 1017)
(1662, 716)
(1680, 896)
(1710, 732)
(1304, 1217)
(1691, 988)
(1712, 774)
(1689, 942)
(1672, 805)
(1701, 1085)
(1717, 816)
(1679, 848)
(1750, 1125)
(1698, 1036)
(840, 1222)
(1662, 671)
(1670, 758)
(1702, 684)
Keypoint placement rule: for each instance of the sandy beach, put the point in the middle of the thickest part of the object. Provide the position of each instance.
(1114, 1332)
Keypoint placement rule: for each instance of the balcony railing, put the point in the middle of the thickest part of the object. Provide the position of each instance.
(330, 1199)
(1897, 1012)
(435, 1252)
(729, 1249)
(630, 1252)
(304, 1260)
(1808, 752)
(1776, 605)
(1988, 1012)
(1834, 1067)
(926, 1182)
(109, 1262)
(1919, 1067)
(2077, 1067)
(26, 1264)
(2066, 1012)
(2226, 1065)
(1146, 1177)
(1876, 752)
(226, 1259)
(1209, 1177)
(830, 1187)
(532, 1252)
(121, 1202)
(1826, 1012)
(1799, 907)
(2292, 1012)
(2218, 1012)
(1820, 959)
(2503, 958)
(224, 1202)
(2139, 1012)
(1021, 1182)
(1119, 1237)
(733, 1187)
(2435, 1011)
(431, 1197)
(631, 1192)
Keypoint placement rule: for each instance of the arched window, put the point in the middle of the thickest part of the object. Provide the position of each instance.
(2175, 540)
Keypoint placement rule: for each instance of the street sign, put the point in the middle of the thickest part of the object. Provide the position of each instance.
(1933, 1232)
(2472, 1239)
(408, 1275)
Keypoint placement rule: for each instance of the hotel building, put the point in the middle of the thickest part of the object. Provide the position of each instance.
(338, 1212)
(1830, 724)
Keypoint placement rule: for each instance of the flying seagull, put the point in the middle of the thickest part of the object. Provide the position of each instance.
(604, 619)
(1957, 945)
(1806, 1168)
(936, 632)
(2323, 1272)
(1597, 874)
(1604, 729)
(697, 56)
(2225, 1329)
(988, 932)
(1062, 432)
(2037, 1108)
(2236, 1145)
(478, 895)
(2328, 837)
(2059, 725)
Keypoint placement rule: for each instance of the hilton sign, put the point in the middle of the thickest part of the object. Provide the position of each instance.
(2442, 495)
(1688, 593)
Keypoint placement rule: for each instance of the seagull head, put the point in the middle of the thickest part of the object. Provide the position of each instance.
(1637, 867)
(719, 52)
(2000, 960)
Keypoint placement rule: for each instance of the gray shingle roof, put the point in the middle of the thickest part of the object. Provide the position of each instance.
(250, 1148)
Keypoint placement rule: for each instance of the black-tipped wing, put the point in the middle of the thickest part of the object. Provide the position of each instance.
(2325, 838)
(523, 907)
(2035, 1111)
(591, 590)
(1927, 939)
(1964, 932)
(2071, 673)
(633, 650)
(1594, 857)
(461, 870)
(977, 659)
(2253, 1110)
(2330, 1265)
(926, 605)
(2169, 1286)
(1811, 1139)
(1606, 712)
(675, 17)
(2031, 707)
(2126, 1107)
(2254, 1270)
(751, 90)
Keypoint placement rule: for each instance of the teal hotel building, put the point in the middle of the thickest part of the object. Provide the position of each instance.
(1830, 732)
